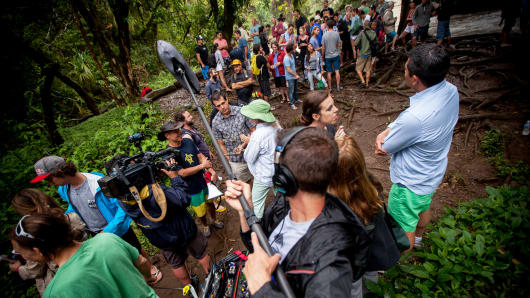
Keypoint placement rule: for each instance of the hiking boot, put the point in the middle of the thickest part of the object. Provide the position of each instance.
(218, 224)
(206, 231)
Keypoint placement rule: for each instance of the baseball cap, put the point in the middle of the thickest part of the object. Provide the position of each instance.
(236, 62)
(199, 37)
(169, 126)
(47, 166)
(258, 109)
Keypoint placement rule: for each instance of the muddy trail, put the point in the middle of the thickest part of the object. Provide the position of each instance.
(493, 95)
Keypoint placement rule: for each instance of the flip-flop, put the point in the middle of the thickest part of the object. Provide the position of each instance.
(157, 275)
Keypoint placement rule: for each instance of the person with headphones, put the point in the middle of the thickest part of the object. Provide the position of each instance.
(320, 243)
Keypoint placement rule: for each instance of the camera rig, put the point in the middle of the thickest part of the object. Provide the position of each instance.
(134, 172)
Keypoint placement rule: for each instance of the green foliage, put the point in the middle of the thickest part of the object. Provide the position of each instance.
(478, 249)
(90, 144)
(493, 146)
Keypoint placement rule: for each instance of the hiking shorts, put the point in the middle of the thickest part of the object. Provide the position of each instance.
(333, 64)
(390, 36)
(363, 64)
(198, 202)
(241, 171)
(422, 33)
(443, 30)
(197, 248)
(406, 206)
(280, 81)
(265, 87)
(409, 29)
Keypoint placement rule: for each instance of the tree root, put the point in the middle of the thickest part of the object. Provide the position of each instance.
(467, 133)
(388, 91)
(496, 116)
(475, 61)
(390, 112)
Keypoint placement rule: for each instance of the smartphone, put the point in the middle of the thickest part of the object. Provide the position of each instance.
(7, 259)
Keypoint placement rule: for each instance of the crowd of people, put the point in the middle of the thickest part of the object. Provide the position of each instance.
(326, 221)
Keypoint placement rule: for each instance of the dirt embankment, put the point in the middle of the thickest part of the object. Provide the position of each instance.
(492, 84)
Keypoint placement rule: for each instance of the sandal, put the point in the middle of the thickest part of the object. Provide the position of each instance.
(283, 101)
(157, 275)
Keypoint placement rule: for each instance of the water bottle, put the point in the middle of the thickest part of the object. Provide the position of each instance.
(526, 128)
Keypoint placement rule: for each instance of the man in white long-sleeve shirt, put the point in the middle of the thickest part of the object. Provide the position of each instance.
(259, 153)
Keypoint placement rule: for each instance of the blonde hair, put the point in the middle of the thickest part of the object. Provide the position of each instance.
(353, 184)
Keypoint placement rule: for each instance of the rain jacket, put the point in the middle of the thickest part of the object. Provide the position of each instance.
(117, 220)
(325, 261)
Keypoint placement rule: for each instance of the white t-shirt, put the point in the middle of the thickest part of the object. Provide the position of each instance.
(286, 235)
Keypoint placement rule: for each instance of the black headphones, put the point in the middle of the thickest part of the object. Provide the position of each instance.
(283, 178)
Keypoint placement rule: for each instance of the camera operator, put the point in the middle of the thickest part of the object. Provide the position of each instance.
(192, 168)
(317, 237)
(84, 197)
(103, 266)
(176, 235)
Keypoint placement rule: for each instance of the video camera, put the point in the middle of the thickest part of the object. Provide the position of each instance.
(137, 170)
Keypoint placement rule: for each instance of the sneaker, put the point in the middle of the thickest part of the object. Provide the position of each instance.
(218, 224)
(417, 242)
(206, 231)
(298, 101)
(293, 107)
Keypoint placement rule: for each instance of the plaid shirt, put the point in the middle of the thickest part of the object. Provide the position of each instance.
(228, 130)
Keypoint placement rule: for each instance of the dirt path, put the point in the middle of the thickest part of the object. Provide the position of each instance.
(467, 172)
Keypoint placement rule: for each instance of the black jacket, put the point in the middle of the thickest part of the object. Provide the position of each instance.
(177, 229)
(325, 261)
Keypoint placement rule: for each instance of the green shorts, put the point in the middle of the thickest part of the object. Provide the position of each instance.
(405, 206)
(198, 202)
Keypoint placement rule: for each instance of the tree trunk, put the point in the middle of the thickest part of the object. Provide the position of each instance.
(44, 61)
(403, 16)
(120, 10)
(118, 101)
(47, 109)
(80, 91)
(120, 63)
(228, 20)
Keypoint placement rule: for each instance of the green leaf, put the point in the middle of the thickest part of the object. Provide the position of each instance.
(420, 273)
(478, 248)
(429, 267)
(374, 287)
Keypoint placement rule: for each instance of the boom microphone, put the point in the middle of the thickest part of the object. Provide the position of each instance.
(180, 69)
(174, 61)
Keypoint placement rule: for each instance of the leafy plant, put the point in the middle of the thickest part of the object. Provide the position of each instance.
(478, 249)
(492, 146)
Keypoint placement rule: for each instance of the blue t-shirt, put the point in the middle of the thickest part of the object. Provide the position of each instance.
(288, 61)
(255, 29)
(189, 158)
(276, 71)
(242, 44)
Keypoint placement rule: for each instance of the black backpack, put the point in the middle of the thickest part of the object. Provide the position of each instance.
(375, 47)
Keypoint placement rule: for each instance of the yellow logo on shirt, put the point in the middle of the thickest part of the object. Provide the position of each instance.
(189, 158)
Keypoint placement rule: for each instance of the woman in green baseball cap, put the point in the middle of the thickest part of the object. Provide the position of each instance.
(259, 153)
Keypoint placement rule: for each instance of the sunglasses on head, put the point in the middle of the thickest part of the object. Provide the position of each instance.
(19, 230)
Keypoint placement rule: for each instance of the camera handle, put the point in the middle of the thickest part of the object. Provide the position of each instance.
(252, 220)
(158, 194)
